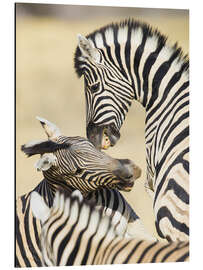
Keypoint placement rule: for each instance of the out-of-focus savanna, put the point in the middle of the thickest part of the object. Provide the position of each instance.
(47, 85)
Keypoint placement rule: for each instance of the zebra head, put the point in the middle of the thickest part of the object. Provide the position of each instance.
(76, 162)
(108, 88)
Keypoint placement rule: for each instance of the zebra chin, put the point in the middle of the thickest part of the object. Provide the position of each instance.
(102, 136)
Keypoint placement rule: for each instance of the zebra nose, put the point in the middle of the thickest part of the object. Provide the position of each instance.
(127, 170)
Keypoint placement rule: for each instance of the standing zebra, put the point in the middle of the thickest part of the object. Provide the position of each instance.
(75, 233)
(127, 61)
(71, 163)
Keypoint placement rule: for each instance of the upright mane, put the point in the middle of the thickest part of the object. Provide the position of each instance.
(110, 32)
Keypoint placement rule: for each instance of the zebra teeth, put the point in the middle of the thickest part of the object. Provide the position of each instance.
(105, 142)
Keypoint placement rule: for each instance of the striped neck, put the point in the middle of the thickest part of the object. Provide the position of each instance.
(141, 57)
(54, 184)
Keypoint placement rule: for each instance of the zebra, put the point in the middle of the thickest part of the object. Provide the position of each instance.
(127, 61)
(71, 163)
(75, 233)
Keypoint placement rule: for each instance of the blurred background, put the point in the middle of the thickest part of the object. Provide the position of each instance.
(47, 85)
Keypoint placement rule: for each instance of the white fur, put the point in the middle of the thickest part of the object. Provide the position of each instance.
(87, 49)
(45, 162)
(77, 194)
(99, 40)
(136, 37)
(51, 129)
(109, 36)
(38, 206)
(122, 35)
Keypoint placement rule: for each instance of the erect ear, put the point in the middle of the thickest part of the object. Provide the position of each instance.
(45, 162)
(51, 129)
(38, 206)
(88, 50)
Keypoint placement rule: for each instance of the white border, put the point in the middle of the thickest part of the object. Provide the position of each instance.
(7, 127)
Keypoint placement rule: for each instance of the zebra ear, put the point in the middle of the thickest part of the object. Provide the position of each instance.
(45, 162)
(88, 50)
(51, 129)
(38, 206)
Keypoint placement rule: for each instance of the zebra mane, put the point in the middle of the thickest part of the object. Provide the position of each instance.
(64, 198)
(129, 25)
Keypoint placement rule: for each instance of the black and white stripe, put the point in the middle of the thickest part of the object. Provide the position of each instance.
(28, 228)
(74, 232)
(70, 163)
(130, 60)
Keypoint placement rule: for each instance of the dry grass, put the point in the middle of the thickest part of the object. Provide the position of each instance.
(47, 86)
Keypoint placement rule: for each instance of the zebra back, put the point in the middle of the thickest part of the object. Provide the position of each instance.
(76, 233)
(28, 228)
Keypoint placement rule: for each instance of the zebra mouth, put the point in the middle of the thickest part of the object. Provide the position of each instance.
(123, 186)
(104, 136)
(106, 143)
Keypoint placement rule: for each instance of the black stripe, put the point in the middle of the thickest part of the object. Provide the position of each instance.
(147, 67)
(74, 253)
(64, 242)
(17, 264)
(172, 117)
(117, 253)
(175, 125)
(28, 228)
(159, 75)
(171, 252)
(178, 190)
(99, 246)
(174, 79)
(164, 212)
(127, 60)
(178, 92)
(36, 233)
(115, 200)
(177, 160)
(87, 251)
(183, 258)
(137, 57)
(57, 231)
(132, 252)
(158, 252)
(144, 252)
(108, 197)
(178, 139)
(20, 243)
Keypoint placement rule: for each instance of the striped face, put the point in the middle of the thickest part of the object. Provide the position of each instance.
(74, 161)
(79, 164)
(108, 90)
(106, 105)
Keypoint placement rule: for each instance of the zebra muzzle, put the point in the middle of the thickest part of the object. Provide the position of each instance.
(126, 172)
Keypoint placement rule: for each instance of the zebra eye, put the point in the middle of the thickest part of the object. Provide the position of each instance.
(78, 171)
(95, 87)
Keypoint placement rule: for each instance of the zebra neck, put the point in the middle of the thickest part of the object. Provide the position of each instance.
(48, 187)
(164, 104)
(156, 81)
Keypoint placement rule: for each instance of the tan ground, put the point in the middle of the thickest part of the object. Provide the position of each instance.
(46, 85)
